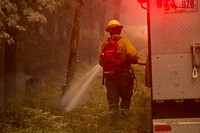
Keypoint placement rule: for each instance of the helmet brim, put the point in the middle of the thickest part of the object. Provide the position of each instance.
(112, 27)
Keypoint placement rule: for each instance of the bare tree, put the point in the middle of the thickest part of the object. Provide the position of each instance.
(2, 68)
(75, 37)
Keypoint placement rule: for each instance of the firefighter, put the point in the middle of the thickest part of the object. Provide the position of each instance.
(120, 86)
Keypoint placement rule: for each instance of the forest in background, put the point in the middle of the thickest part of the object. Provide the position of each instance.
(37, 36)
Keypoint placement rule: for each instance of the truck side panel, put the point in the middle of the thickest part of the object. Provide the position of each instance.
(172, 35)
(174, 31)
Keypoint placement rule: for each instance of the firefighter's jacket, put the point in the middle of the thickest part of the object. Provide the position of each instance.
(129, 52)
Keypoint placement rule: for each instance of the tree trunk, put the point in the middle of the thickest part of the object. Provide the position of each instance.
(2, 65)
(10, 72)
(2, 72)
(72, 62)
(10, 66)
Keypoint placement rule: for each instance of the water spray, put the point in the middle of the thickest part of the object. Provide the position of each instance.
(74, 95)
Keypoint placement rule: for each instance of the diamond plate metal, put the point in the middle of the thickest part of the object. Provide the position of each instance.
(172, 77)
(172, 35)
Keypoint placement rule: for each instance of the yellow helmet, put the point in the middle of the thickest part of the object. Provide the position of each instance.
(113, 23)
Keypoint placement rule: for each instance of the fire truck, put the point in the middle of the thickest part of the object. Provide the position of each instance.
(174, 64)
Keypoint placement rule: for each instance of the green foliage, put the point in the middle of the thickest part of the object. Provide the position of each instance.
(41, 112)
(9, 12)
(7, 37)
(12, 10)
(36, 17)
(19, 118)
(50, 5)
(19, 14)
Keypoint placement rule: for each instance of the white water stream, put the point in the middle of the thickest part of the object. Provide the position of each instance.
(75, 93)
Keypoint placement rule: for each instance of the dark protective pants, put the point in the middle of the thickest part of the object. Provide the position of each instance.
(119, 87)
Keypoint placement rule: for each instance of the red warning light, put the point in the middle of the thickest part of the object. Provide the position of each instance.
(163, 128)
(142, 1)
(159, 3)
